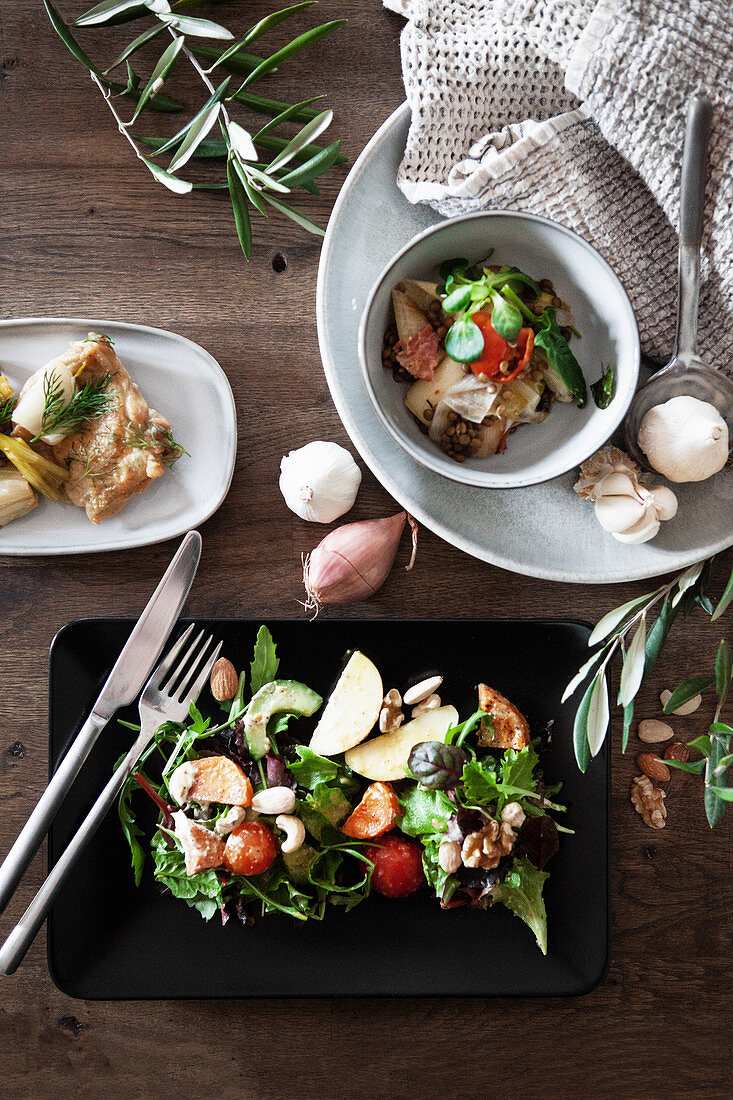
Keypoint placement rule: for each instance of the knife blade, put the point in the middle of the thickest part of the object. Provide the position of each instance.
(122, 686)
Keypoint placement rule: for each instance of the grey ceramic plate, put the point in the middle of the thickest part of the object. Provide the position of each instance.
(178, 378)
(542, 530)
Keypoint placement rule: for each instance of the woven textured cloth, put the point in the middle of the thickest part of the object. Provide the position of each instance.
(575, 109)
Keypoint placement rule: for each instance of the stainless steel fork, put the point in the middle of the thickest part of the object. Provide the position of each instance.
(166, 697)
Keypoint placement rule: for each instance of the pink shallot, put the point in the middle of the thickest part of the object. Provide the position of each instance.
(354, 561)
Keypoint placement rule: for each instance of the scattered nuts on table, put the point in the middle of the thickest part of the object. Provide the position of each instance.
(677, 751)
(648, 801)
(651, 766)
(420, 691)
(224, 680)
(687, 708)
(652, 730)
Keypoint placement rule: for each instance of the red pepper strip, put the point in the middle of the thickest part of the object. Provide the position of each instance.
(496, 349)
(526, 336)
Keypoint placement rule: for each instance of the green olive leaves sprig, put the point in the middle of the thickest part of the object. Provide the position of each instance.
(261, 166)
(632, 631)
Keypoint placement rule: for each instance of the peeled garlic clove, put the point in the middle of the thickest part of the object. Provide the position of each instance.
(641, 531)
(685, 439)
(616, 485)
(664, 501)
(319, 481)
(618, 513)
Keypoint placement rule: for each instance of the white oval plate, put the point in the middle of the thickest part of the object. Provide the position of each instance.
(181, 381)
(540, 531)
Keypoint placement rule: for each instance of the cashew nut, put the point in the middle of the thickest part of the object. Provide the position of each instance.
(228, 821)
(294, 830)
(513, 814)
(274, 800)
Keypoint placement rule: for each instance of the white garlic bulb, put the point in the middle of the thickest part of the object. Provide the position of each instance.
(319, 481)
(685, 439)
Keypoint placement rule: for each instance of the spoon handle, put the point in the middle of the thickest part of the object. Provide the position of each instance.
(692, 203)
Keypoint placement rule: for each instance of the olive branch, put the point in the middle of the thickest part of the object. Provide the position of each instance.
(625, 631)
(261, 166)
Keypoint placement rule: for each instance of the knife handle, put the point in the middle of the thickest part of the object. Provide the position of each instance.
(37, 825)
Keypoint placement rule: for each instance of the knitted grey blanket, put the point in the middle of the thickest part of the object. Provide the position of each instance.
(575, 109)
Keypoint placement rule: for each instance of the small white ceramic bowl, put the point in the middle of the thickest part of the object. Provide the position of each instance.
(600, 310)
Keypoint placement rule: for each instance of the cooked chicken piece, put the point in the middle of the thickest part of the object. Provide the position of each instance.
(119, 453)
(510, 727)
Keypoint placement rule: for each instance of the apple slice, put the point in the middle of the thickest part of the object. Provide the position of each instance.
(352, 709)
(385, 757)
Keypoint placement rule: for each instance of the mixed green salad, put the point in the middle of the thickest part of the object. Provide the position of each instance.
(251, 820)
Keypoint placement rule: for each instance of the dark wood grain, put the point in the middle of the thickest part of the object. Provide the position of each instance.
(84, 231)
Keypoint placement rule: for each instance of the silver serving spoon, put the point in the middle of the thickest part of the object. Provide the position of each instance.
(686, 373)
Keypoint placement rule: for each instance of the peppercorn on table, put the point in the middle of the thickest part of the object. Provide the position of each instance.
(87, 232)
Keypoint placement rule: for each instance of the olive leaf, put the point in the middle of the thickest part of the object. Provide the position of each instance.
(580, 728)
(239, 207)
(264, 25)
(309, 132)
(598, 714)
(581, 674)
(292, 48)
(200, 28)
(632, 671)
(173, 183)
(613, 618)
(171, 143)
(725, 600)
(105, 11)
(714, 780)
(686, 581)
(313, 167)
(436, 765)
(165, 63)
(134, 46)
(723, 671)
(294, 215)
(685, 691)
(241, 141)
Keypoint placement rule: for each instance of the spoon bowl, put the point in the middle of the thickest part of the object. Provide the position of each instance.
(686, 374)
(682, 377)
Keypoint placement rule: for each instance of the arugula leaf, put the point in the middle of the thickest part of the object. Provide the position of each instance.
(521, 891)
(331, 803)
(313, 769)
(130, 828)
(560, 357)
(425, 812)
(202, 891)
(265, 662)
(434, 873)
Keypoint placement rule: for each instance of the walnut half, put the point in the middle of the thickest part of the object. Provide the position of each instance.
(486, 847)
(648, 801)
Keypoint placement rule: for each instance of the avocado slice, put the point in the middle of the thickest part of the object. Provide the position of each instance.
(277, 697)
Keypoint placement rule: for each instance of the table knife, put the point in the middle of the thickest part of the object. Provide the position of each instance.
(123, 685)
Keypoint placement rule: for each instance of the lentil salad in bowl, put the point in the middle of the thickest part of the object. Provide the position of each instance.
(532, 328)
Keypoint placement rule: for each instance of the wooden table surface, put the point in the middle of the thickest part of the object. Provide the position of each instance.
(85, 231)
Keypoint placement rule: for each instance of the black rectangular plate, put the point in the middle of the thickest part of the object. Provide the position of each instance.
(108, 939)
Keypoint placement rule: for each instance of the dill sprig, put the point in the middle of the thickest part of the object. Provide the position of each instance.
(6, 409)
(89, 403)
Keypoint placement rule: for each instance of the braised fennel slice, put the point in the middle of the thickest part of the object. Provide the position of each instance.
(247, 828)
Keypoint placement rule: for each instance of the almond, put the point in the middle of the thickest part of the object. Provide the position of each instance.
(652, 767)
(686, 708)
(677, 751)
(224, 680)
(652, 730)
